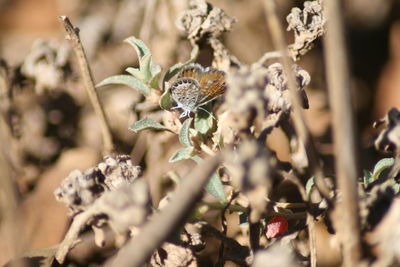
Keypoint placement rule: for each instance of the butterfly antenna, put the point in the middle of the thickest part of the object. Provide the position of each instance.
(209, 113)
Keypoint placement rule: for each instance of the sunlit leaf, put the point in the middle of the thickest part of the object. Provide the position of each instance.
(135, 72)
(171, 72)
(181, 154)
(140, 47)
(309, 185)
(165, 100)
(127, 80)
(184, 137)
(203, 121)
(367, 178)
(382, 165)
(145, 124)
(214, 187)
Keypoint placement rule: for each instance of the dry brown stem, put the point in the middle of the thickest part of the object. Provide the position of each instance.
(73, 37)
(298, 117)
(163, 224)
(343, 133)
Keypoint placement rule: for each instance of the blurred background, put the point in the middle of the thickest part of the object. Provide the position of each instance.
(48, 127)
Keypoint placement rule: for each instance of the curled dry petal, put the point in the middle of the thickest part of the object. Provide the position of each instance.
(307, 24)
(203, 19)
(80, 189)
(389, 139)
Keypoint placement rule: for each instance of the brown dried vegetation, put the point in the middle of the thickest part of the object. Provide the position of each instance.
(136, 183)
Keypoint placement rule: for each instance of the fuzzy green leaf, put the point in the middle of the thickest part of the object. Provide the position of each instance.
(184, 137)
(367, 178)
(165, 100)
(127, 80)
(135, 72)
(148, 72)
(181, 154)
(140, 47)
(214, 186)
(154, 68)
(203, 121)
(145, 124)
(382, 165)
(171, 72)
(154, 81)
(309, 185)
(145, 70)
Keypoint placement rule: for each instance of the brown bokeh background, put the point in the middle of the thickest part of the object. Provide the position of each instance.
(373, 29)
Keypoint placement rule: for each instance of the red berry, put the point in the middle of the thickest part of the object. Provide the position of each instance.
(276, 226)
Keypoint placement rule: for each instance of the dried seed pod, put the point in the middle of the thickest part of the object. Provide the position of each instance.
(79, 190)
(202, 19)
(307, 24)
(259, 95)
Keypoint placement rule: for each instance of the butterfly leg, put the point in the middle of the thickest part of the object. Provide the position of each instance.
(184, 114)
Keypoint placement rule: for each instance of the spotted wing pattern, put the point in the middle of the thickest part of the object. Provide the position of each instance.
(196, 86)
(185, 92)
(193, 70)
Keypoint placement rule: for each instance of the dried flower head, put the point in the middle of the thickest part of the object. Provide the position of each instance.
(79, 190)
(203, 19)
(307, 24)
(260, 94)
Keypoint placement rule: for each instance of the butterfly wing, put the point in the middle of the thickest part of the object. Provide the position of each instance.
(196, 86)
(185, 92)
(192, 70)
(212, 84)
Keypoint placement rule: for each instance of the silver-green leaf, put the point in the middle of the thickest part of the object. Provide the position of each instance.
(145, 124)
(127, 80)
(214, 186)
(140, 47)
(165, 100)
(203, 121)
(181, 154)
(382, 165)
(184, 137)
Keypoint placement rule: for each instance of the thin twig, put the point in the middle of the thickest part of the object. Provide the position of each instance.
(343, 133)
(310, 219)
(221, 259)
(287, 215)
(163, 224)
(73, 37)
(286, 205)
(298, 116)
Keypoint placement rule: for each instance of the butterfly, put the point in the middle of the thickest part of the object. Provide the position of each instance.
(196, 86)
